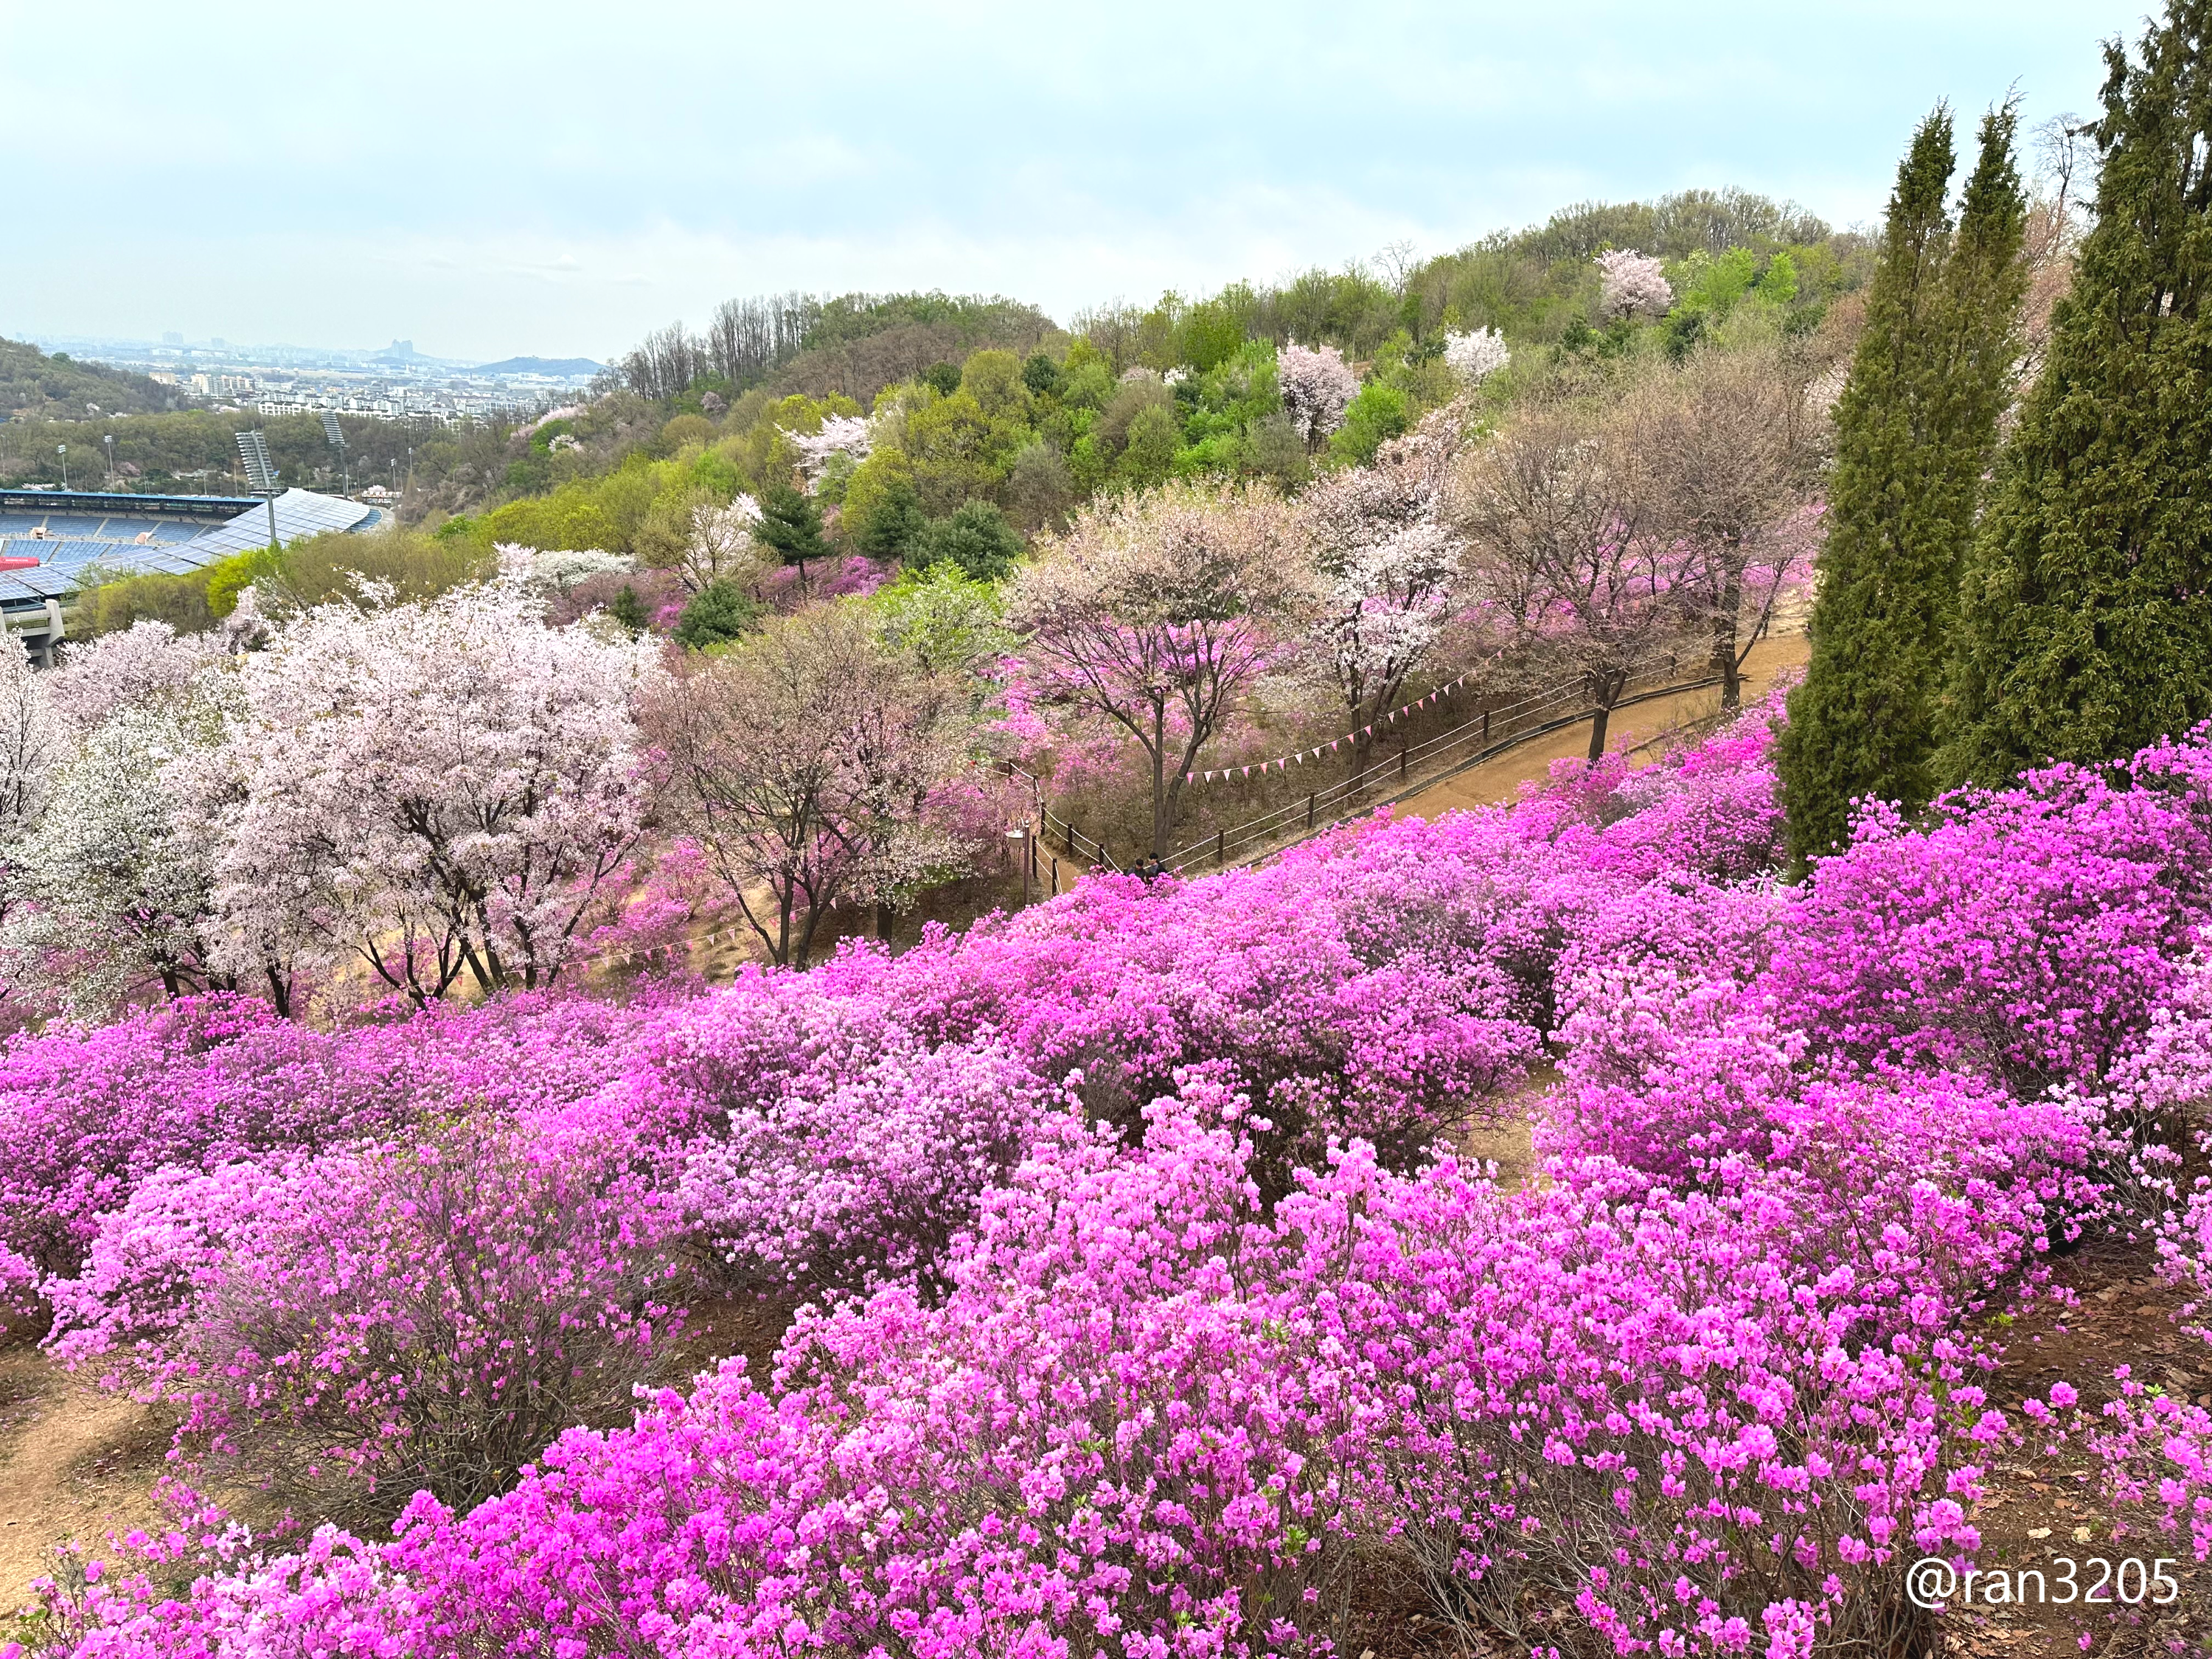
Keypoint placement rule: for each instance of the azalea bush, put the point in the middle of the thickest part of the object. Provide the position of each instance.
(1151, 1308)
(424, 1313)
(87, 1115)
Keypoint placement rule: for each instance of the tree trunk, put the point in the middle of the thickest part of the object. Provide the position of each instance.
(882, 922)
(1160, 777)
(1598, 717)
(1725, 621)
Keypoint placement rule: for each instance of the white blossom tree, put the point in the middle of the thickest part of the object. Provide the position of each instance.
(434, 789)
(1387, 577)
(1631, 283)
(557, 570)
(850, 435)
(1154, 614)
(1474, 357)
(112, 887)
(1316, 385)
(30, 743)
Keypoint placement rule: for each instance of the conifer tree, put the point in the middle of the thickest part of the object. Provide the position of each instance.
(2087, 611)
(791, 524)
(1914, 428)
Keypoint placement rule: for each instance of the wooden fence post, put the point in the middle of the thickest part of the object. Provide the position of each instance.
(1220, 845)
(1309, 810)
(1485, 726)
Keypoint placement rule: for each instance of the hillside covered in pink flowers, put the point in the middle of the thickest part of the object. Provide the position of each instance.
(1141, 1302)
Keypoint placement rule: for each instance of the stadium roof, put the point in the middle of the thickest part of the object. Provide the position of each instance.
(68, 530)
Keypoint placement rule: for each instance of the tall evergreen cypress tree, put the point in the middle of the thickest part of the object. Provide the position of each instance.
(1914, 431)
(2087, 611)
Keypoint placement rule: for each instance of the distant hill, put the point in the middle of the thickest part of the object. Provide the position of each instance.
(32, 383)
(570, 367)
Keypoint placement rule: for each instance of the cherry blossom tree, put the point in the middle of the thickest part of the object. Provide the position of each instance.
(1569, 541)
(559, 571)
(111, 889)
(149, 661)
(1387, 572)
(1316, 384)
(30, 743)
(1631, 283)
(434, 789)
(803, 762)
(1475, 356)
(1154, 614)
(850, 435)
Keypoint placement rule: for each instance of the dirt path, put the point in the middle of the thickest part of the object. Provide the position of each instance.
(1501, 780)
(74, 1462)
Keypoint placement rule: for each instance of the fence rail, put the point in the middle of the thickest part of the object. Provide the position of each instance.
(1482, 736)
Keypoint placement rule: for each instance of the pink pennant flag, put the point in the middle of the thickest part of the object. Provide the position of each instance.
(1190, 777)
(1248, 771)
(1333, 742)
(1369, 732)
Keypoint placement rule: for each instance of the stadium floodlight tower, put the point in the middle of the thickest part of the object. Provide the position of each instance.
(336, 434)
(260, 473)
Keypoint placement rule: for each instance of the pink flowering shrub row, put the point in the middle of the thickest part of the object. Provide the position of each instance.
(85, 1116)
(1150, 1419)
(425, 1312)
(1198, 1365)
(1271, 973)
(2028, 934)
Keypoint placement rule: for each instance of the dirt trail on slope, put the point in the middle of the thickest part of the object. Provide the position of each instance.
(74, 1462)
(1501, 779)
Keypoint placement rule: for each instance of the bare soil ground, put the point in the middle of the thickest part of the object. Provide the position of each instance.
(74, 1462)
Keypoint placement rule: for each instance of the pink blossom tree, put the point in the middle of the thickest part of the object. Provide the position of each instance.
(435, 788)
(1633, 284)
(1316, 384)
(1154, 614)
(148, 661)
(850, 435)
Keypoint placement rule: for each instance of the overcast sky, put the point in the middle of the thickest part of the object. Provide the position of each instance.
(554, 178)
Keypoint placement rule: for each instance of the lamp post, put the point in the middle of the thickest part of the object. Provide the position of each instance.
(61, 450)
(109, 439)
